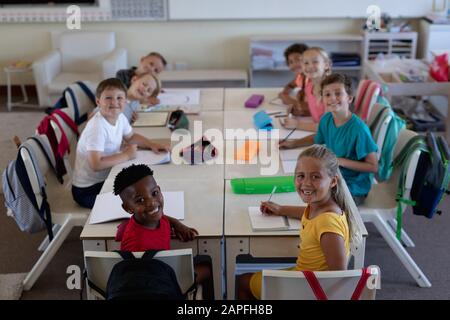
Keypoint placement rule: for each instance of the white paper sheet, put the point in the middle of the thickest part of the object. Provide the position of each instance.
(108, 207)
(187, 100)
(146, 157)
(263, 222)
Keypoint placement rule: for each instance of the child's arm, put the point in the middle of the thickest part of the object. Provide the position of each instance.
(98, 162)
(291, 123)
(369, 164)
(145, 143)
(285, 94)
(182, 232)
(333, 247)
(297, 143)
(271, 208)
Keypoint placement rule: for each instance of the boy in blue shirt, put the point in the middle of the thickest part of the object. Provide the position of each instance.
(346, 135)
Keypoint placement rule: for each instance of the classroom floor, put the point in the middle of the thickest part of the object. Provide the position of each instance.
(18, 253)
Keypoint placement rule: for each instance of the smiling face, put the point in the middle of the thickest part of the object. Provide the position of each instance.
(144, 199)
(314, 65)
(295, 62)
(150, 64)
(142, 87)
(336, 98)
(112, 101)
(312, 181)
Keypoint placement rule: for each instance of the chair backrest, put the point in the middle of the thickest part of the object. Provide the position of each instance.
(337, 285)
(83, 52)
(100, 263)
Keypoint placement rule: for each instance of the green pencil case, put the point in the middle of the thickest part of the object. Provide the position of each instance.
(262, 185)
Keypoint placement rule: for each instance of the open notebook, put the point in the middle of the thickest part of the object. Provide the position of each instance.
(263, 222)
(108, 207)
(151, 119)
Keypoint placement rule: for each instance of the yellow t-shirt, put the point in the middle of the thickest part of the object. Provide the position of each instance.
(311, 256)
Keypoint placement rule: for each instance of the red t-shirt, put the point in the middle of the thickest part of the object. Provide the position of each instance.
(135, 237)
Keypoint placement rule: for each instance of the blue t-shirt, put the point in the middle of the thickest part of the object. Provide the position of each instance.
(353, 141)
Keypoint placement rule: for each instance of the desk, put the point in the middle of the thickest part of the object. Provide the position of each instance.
(211, 99)
(204, 214)
(235, 98)
(385, 76)
(207, 78)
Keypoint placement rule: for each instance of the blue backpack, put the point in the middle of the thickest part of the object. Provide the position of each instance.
(431, 178)
(71, 95)
(19, 195)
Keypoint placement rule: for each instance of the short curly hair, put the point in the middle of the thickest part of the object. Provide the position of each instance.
(294, 48)
(130, 175)
(338, 78)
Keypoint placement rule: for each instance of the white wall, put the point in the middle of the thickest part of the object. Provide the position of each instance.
(201, 44)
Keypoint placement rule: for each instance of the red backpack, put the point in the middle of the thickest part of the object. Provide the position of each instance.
(63, 147)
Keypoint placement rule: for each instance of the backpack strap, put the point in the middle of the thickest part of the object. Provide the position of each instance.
(149, 254)
(43, 210)
(126, 255)
(361, 284)
(315, 285)
(72, 125)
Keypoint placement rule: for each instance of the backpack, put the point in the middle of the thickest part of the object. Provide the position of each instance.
(74, 96)
(19, 195)
(61, 148)
(145, 278)
(431, 177)
(396, 124)
(367, 94)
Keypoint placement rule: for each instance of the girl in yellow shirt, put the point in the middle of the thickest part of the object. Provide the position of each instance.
(325, 223)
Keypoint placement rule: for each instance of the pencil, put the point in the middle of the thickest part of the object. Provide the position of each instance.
(273, 191)
(289, 134)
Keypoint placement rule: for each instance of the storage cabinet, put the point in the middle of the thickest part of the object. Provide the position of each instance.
(268, 66)
(401, 44)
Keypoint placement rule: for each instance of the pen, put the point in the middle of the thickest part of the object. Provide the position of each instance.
(273, 113)
(273, 191)
(289, 134)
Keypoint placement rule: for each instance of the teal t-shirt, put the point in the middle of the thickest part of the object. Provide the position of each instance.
(353, 141)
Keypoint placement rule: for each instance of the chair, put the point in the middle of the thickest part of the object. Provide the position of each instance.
(66, 214)
(380, 209)
(100, 263)
(378, 125)
(337, 285)
(76, 56)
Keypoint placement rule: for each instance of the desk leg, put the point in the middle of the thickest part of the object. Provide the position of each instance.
(213, 248)
(234, 247)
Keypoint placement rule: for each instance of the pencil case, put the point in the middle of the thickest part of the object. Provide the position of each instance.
(262, 185)
(262, 121)
(178, 120)
(254, 101)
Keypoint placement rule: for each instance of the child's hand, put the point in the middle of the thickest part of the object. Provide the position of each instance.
(289, 123)
(131, 151)
(134, 117)
(184, 233)
(153, 101)
(270, 208)
(157, 147)
(288, 144)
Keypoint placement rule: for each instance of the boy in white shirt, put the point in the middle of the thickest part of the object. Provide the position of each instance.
(99, 146)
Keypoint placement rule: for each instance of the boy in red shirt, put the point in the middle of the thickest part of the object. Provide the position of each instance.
(149, 228)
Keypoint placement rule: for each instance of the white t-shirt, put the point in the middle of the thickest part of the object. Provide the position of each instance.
(99, 135)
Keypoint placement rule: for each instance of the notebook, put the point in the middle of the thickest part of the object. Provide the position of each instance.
(151, 119)
(108, 207)
(263, 222)
(146, 157)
